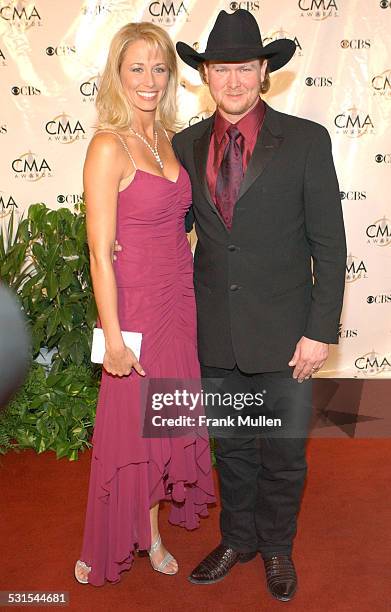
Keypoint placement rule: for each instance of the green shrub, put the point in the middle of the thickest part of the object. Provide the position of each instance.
(45, 260)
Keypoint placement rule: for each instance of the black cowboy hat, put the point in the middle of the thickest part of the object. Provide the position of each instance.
(236, 37)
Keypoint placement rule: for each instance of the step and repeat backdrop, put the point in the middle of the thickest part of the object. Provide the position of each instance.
(53, 51)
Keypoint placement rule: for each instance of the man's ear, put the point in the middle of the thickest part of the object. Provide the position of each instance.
(205, 73)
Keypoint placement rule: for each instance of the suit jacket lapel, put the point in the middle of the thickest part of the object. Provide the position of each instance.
(270, 138)
(201, 150)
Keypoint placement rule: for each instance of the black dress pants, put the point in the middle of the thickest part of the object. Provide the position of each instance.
(262, 475)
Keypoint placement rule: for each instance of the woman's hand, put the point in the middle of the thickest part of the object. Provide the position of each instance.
(120, 361)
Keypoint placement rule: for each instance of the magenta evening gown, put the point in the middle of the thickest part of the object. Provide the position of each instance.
(129, 473)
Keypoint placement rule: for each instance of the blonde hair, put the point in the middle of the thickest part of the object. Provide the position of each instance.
(114, 109)
(265, 85)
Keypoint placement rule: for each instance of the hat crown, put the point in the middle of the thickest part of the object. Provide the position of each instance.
(238, 29)
(236, 37)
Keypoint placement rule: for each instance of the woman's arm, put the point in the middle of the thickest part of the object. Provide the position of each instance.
(103, 169)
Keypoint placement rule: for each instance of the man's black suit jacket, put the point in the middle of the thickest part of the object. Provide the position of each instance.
(256, 292)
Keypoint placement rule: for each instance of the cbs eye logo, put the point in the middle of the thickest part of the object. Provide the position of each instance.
(50, 51)
(379, 158)
(15, 91)
(385, 4)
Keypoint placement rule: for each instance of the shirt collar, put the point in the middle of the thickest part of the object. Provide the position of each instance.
(248, 125)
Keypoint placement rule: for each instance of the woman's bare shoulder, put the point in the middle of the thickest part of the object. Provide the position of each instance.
(105, 140)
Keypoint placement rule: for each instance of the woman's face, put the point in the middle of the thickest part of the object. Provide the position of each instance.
(144, 75)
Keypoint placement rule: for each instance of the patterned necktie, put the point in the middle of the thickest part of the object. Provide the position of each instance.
(230, 176)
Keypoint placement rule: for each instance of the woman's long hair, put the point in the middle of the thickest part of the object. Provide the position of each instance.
(114, 108)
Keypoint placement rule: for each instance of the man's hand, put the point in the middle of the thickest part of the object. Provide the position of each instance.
(116, 247)
(308, 358)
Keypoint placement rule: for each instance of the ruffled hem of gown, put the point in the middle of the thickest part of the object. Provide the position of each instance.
(129, 474)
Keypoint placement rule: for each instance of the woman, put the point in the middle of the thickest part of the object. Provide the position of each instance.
(138, 193)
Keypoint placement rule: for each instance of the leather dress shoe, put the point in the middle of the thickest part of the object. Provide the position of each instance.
(281, 576)
(217, 564)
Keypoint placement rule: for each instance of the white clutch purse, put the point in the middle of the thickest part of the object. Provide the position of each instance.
(131, 339)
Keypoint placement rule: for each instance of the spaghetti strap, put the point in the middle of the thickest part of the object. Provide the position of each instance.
(165, 131)
(125, 146)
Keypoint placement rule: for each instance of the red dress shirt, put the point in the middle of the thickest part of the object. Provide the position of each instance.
(249, 126)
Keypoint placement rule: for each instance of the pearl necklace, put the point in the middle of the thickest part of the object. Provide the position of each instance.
(154, 149)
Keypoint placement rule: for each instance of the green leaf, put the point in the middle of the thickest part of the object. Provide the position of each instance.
(66, 276)
(73, 455)
(51, 284)
(53, 323)
(61, 449)
(39, 253)
(32, 282)
(38, 401)
(51, 256)
(42, 445)
(23, 231)
(91, 312)
(76, 352)
(25, 438)
(66, 317)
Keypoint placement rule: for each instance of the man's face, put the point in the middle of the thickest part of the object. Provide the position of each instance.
(235, 86)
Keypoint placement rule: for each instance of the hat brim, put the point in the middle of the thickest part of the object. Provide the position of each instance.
(278, 53)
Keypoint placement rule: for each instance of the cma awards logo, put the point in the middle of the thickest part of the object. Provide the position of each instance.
(318, 9)
(62, 129)
(381, 84)
(90, 88)
(346, 333)
(252, 7)
(354, 123)
(353, 195)
(168, 13)
(373, 364)
(281, 33)
(379, 232)
(30, 167)
(20, 14)
(3, 61)
(355, 269)
(319, 81)
(7, 205)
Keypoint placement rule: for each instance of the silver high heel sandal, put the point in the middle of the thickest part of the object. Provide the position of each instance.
(166, 560)
(84, 566)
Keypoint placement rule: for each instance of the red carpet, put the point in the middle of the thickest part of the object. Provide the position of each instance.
(342, 550)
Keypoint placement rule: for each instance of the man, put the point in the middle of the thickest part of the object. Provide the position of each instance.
(269, 273)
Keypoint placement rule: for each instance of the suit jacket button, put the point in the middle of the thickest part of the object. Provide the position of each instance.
(232, 247)
(234, 287)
